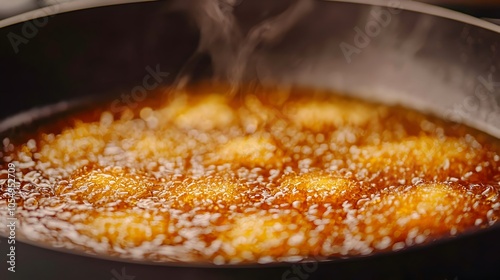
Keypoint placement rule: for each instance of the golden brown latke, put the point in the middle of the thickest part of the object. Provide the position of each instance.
(269, 175)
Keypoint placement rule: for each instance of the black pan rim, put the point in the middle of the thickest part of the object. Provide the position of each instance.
(414, 6)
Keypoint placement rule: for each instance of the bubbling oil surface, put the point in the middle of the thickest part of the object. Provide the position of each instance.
(269, 175)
